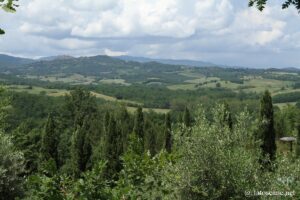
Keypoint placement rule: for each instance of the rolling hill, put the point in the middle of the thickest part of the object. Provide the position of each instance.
(11, 61)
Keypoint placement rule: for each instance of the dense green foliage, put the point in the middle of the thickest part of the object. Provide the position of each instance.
(286, 120)
(287, 97)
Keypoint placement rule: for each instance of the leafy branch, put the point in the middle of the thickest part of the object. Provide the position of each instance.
(260, 4)
(8, 6)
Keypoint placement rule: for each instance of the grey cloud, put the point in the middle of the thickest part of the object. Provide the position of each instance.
(219, 31)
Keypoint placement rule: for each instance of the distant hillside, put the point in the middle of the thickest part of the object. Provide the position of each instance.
(59, 57)
(11, 61)
(111, 73)
(100, 66)
(192, 63)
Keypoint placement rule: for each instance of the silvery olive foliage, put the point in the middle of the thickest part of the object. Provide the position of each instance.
(216, 162)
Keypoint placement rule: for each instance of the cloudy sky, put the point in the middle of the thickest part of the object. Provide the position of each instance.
(219, 31)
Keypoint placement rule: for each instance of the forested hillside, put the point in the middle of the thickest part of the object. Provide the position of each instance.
(103, 128)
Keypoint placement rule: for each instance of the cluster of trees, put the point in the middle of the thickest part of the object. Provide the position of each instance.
(287, 97)
(286, 120)
(83, 150)
(78, 134)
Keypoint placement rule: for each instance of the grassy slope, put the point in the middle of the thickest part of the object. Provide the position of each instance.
(60, 92)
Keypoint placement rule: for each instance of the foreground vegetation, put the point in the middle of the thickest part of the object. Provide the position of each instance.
(127, 130)
(76, 147)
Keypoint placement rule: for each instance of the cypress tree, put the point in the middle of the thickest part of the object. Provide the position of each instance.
(187, 120)
(125, 127)
(106, 122)
(266, 128)
(298, 141)
(227, 118)
(168, 133)
(81, 149)
(150, 137)
(113, 149)
(79, 104)
(139, 123)
(50, 141)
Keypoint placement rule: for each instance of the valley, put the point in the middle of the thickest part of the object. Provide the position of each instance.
(130, 82)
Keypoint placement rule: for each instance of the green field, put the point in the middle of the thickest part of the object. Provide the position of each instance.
(114, 81)
(61, 92)
(250, 84)
(36, 90)
(74, 79)
(202, 79)
(281, 105)
(183, 87)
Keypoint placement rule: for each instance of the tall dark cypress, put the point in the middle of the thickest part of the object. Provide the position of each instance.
(168, 133)
(266, 128)
(81, 149)
(187, 120)
(139, 123)
(150, 137)
(113, 149)
(106, 122)
(227, 116)
(124, 125)
(50, 141)
(298, 141)
(79, 104)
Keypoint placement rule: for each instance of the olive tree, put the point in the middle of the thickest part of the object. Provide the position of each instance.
(216, 161)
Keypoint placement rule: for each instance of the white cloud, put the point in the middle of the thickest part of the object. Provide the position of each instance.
(109, 52)
(255, 27)
(139, 18)
(221, 31)
(92, 5)
(72, 44)
(214, 14)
